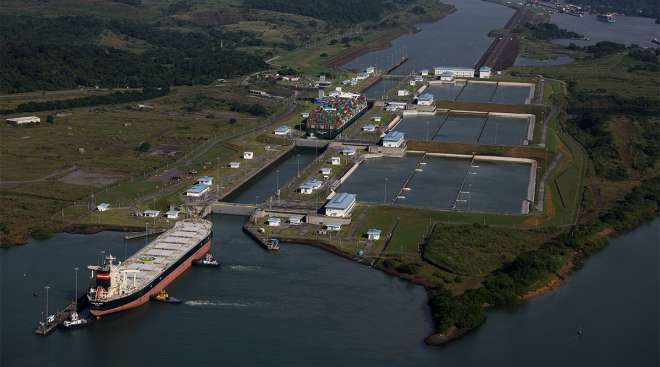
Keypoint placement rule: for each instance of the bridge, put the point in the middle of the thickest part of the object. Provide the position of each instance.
(222, 207)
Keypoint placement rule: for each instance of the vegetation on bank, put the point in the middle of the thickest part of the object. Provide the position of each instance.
(550, 31)
(642, 8)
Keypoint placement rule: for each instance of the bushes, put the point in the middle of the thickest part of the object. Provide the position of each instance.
(549, 31)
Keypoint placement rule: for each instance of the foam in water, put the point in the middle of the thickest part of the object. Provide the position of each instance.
(210, 303)
(244, 267)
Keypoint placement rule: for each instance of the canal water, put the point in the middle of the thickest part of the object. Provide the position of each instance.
(471, 129)
(457, 40)
(499, 187)
(626, 30)
(480, 92)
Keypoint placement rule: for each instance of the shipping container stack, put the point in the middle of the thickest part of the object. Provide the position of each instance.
(335, 112)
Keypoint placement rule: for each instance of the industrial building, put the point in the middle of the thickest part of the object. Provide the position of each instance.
(459, 72)
(197, 190)
(341, 205)
(393, 139)
(425, 99)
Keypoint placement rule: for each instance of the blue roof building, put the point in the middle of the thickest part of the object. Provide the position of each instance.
(341, 205)
(393, 139)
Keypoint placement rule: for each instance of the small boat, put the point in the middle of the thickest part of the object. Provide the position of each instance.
(207, 260)
(419, 170)
(164, 297)
(400, 196)
(273, 244)
(75, 321)
(656, 41)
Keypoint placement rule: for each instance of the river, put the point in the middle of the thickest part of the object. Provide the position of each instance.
(459, 39)
(626, 30)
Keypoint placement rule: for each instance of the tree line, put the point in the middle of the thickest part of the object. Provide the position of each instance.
(108, 99)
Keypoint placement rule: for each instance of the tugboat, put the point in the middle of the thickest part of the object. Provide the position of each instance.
(164, 297)
(273, 244)
(207, 260)
(607, 18)
(75, 321)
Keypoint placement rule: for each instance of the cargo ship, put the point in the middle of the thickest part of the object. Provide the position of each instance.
(131, 283)
(335, 113)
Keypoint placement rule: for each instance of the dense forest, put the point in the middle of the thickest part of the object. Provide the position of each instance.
(63, 52)
(338, 11)
(549, 31)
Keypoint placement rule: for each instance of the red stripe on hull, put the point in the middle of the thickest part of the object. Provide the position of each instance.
(160, 286)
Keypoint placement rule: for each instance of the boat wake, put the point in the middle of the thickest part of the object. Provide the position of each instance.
(244, 267)
(209, 303)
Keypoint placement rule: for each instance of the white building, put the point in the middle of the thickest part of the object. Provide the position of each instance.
(274, 222)
(306, 189)
(425, 72)
(234, 164)
(326, 171)
(393, 139)
(18, 121)
(283, 130)
(296, 220)
(374, 234)
(403, 92)
(197, 190)
(369, 128)
(335, 161)
(447, 76)
(349, 151)
(377, 118)
(304, 115)
(151, 213)
(248, 155)
(103, 207)
(459, 72)
(341, 205)
(173, 213)
(485, 72)
(205, 180)
(370, 70)
(333, 227)
(425, 99)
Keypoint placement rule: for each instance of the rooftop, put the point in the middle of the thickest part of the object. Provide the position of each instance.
(341, 201)
(394, 136)
(198, 188)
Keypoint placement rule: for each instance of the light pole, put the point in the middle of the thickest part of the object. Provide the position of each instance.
(385, 197)
(47, 288)
(277, 184)
(298, 160)
(75, 300)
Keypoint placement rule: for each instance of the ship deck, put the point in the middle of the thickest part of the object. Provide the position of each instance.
(161, 253)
